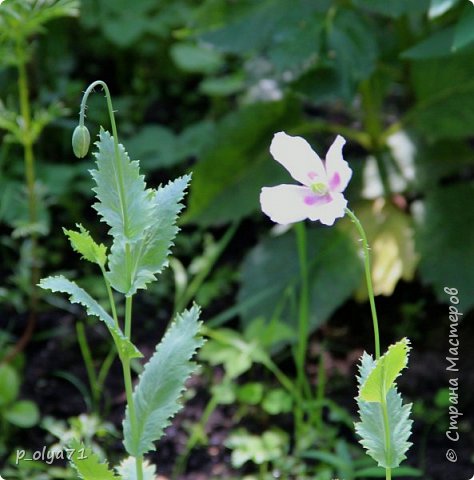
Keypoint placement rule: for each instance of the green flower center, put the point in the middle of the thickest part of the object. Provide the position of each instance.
(319, 188)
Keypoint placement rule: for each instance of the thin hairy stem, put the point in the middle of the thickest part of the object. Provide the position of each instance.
(118, 163)
(368, 278)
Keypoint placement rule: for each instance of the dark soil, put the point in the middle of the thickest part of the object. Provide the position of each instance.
(54, 349)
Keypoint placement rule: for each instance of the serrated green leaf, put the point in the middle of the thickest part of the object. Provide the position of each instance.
(78, 295)
(371, 427)
(149, 253)
(123, 199)
(127, 470)
(156, 397)
(83, 243)
(387, 368)
(87, 463)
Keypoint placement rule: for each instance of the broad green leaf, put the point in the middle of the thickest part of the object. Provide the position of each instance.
(444, 91)
(275, 284)
(268, 28)
(436, 162)
(444, 225)
(387, 368)
(223, 86)
(159, 147)
(464, 33)
(78, 295)
(87, 463)
(196, 58)
(123, 199)
(439, 44)
(149, 253)
(156, 397)
(228, 178)
(354, 47)
(24, 414)
(440, 7)
(149, 19)
(371, 425)
(393, 8)
(9, 384)
(83, 243)
(127, 470)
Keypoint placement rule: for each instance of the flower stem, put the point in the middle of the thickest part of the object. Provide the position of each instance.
(303, 387)
(368, 278)
(303, 317)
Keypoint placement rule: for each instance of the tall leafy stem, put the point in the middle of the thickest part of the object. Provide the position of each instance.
(142, 224)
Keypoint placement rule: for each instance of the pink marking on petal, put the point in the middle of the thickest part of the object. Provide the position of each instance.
(312, 175)
(310, 199)
(335, 181)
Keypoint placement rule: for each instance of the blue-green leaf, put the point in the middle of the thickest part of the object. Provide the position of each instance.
(123, 199)
(156, 397)
(87, 463)
(149, 253)
(127, 470)
(78, 295)
(371, 425)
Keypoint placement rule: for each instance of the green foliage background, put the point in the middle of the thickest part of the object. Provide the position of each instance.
(202, 87)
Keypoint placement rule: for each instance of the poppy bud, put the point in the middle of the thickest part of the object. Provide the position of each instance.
(81, 140)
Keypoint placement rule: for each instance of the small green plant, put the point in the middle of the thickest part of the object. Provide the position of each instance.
(142, 224)
(14, 413)
(23, 123)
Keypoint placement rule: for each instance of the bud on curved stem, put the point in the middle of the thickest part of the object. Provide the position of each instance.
(81, 140)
